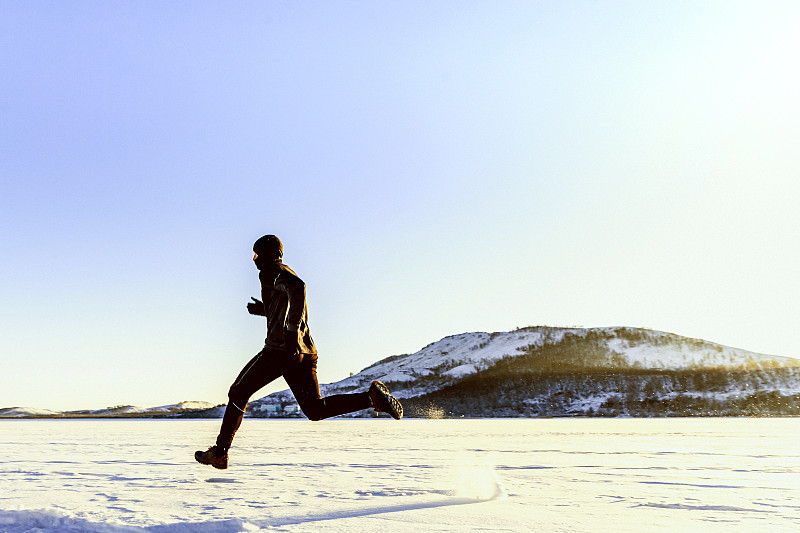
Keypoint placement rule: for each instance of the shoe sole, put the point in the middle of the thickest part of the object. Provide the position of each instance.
(394, 407)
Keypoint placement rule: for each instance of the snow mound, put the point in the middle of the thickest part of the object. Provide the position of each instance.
(462, 370)
(57, 521)
(669, 351)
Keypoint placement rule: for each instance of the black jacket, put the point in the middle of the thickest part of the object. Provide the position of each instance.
(284, 297)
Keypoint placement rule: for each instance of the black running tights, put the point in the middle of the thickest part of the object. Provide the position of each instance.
(300, 373)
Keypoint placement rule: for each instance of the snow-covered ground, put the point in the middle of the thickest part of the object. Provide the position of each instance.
(549, 475)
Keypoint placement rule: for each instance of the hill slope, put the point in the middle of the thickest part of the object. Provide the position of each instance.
(543, 371)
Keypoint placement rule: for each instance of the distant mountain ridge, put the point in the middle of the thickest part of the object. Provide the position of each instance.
(201, 409)
(545, 371)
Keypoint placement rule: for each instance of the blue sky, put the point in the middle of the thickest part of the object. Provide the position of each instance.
(432, 168)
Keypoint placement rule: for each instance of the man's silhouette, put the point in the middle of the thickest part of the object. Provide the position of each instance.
(289, 352)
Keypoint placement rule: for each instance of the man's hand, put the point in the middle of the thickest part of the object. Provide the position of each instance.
(256, 307)
(292, 340)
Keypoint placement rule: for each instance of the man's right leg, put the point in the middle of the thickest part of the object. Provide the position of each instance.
(303, 381)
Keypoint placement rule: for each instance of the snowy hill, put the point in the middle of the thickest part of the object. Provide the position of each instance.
(458, 356)
(462, 361)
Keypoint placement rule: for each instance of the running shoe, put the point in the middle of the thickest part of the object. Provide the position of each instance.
(208, 457)
(383, 402)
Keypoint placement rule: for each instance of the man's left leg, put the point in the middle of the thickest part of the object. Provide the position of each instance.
(268, 365)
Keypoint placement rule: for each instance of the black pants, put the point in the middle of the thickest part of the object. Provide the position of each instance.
(300, 373)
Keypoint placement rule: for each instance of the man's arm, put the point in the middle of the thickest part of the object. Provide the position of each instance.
(295, 289)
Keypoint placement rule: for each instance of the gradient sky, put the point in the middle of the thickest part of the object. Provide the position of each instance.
(431, 167)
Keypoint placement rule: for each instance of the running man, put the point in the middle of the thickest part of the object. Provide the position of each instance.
(288, 352)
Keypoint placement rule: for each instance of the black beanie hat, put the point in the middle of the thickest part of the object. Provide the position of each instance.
(269, 247)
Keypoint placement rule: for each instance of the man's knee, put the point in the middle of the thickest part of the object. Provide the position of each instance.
(238, 397)
(314, 409)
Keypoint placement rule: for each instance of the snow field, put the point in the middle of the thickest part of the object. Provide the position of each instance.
(414, 475)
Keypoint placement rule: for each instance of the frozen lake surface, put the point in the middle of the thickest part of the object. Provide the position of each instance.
(549, 475)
